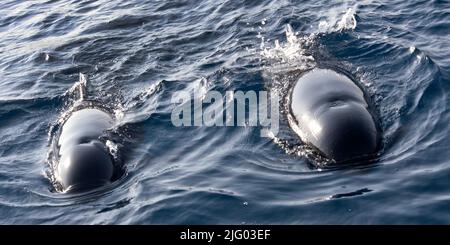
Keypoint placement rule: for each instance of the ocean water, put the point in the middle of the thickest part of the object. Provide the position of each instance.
(136, 54)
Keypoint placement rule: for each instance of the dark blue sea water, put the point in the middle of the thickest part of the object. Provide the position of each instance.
(136, 54)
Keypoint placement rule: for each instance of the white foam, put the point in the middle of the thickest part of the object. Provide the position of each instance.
(112, 147)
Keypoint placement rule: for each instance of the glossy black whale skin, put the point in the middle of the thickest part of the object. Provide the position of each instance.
(330, 112)
(84, 162)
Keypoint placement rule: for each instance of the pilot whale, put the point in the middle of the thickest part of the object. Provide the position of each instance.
(330, 112)
(84, 161)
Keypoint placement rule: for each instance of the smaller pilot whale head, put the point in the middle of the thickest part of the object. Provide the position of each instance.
(84, 162)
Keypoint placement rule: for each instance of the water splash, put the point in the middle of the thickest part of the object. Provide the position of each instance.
(337, 21)
(294, 51)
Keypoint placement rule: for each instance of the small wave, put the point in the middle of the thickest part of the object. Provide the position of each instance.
(140, 107)
(351, 194)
